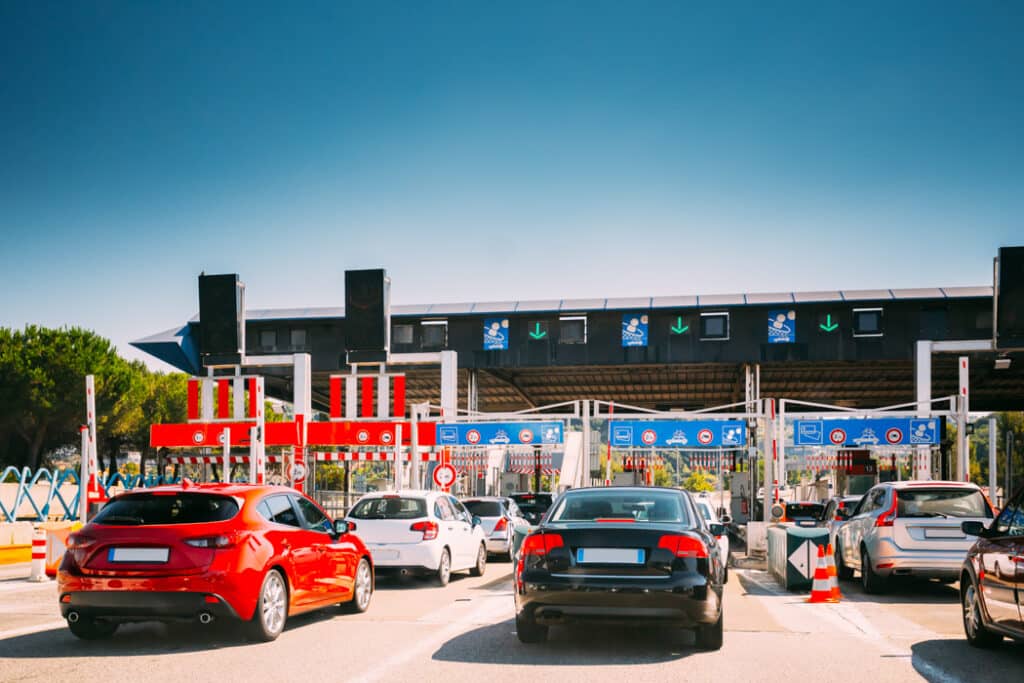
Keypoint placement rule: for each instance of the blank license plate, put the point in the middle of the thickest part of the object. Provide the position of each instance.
(154, 555)
(384, 554)
(943, 533)
(610, 555)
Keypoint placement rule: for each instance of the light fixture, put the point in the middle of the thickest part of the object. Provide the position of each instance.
(1003, 363)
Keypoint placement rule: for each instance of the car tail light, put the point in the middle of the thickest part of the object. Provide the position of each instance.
(217, 542)
(888, 517)
(351, 526)
(78, 547)
(501, 525)
(683, 546)
(541, 544)
(428, 528)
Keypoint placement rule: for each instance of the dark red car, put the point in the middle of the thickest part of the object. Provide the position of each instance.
(209, 551)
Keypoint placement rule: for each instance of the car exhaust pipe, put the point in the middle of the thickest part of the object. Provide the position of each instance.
(73, 617)
(205, 617)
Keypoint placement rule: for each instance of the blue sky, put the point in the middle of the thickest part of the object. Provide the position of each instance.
(493, 151)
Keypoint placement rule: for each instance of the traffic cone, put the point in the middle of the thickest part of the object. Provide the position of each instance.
(833, 578)
(38, 556)
(820, 590)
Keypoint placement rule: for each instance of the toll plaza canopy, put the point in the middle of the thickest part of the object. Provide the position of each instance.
(850, 348)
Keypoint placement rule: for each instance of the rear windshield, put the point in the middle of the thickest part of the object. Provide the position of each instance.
(634, 506)
(705, 510)
(484, 508)
(534, 501)
(941, 503)
(804, 510)
(167, 508)
(389, 508)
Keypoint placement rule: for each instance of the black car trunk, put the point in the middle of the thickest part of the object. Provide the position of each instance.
(612, 550)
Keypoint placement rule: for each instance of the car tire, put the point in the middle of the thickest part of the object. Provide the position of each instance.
(869, 580)
(362, 590)
(444, 569)
(709, 636)
(481, 562)
(271, 608)
(92, 629)
(529, 631)
(842, 571)
(974, 623)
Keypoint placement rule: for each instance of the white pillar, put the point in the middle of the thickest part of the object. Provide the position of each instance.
(449, 384)
(83, 478)
(225, 475)
(351, 397)
(584, 469)
(992, 478)
(238, 395)
(383, 395)
(769, 460)
(414, 446)
(962, 446)
(922, 463)
(257, 454)
(781, 436)
(206, 398)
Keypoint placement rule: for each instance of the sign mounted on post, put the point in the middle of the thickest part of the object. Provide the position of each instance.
(870, 431)
(634, 329)
(499, 433)
(444, 475)
(678, 433)
(782, 327)
(495, 334)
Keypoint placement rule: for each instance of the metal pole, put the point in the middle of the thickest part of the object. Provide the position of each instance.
(963, 454)
(83, 478)
(992, 467)
(1008, 482)
(921, 467)
(608, 460)
(584, 466)
(225, 476)
(398, 456)
(414, 446)
(782, 443)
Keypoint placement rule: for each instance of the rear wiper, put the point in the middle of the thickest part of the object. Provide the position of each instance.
(121, 519)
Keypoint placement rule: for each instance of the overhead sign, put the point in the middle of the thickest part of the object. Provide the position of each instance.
(495, 334)
(782, 327)
(864, 432)
(678, 433)
(444, 475)
(499, 433)
(634, 329)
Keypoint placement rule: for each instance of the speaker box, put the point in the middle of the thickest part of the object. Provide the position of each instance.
(221, 319)
(1010, 299)
(367, 314)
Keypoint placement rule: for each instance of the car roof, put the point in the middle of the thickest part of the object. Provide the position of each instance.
(935, 484)
(237, 490)
(497, 499)
(418, 493)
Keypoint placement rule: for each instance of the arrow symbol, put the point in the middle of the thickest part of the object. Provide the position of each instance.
(829, 326)
(679, 328)
(537, 333)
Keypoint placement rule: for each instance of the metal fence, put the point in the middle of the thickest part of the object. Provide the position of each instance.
(336, 503)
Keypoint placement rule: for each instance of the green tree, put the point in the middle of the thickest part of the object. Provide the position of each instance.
(698, 482)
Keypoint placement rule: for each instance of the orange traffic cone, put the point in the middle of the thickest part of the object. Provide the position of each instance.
(833, 578)
(820, 590)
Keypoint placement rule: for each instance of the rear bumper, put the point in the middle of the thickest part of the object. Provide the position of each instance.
(418, 556)
(498, 546)
(144, 605)
(891, 560)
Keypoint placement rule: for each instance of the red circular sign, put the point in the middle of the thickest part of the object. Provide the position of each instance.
(525, 435)
(837, 436)
(705, 436)
(894, 435)
(444, 475)
(362, 436)
(649, 436)
(473, 436)
(385, 437)
(198, 437)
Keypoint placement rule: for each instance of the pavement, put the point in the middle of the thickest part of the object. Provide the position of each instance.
(465, 632)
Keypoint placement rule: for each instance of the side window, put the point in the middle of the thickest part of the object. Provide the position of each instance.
(1011, 520)
(460, 512)
(443, 509)
(278, 509)
(312, 516)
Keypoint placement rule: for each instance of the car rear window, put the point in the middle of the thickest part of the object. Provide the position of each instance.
(389, 507)
(537, 501)
(484, 508)
(633, 506)
(804, 510)
(143, 509)
(941, 503)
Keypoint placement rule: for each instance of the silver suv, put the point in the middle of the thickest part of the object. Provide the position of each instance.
(909, 528)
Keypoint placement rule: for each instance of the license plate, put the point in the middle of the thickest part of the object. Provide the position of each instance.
(943, 533)
(384, 554)
(150, 555)
(610, 555)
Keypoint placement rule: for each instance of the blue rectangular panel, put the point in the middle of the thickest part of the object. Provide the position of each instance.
(499, 434)
(782, 327)
(866, 432)
(634, 329)
(495, 334)
(677, 433)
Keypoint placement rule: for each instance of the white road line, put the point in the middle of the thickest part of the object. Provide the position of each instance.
(25, 630)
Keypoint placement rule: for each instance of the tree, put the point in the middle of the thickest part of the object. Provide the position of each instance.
(698, 482)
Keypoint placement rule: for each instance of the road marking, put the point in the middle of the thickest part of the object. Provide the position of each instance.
(26, 586)
(25, 630)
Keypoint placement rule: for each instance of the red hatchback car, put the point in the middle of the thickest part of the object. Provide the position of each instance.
(208, 551)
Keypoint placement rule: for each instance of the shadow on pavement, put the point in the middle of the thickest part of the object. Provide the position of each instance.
(905, 591)
(569, 646)
(943, 660)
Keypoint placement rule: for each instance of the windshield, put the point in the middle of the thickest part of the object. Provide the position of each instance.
(484, 508)
(389, 507)
(804, 510)
(941, 503)
(628, 506)
(167, 508)
(705, 511)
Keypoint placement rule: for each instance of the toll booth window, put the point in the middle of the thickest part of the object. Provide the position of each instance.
(435, 334)
(867, 322)
(572, 330)
(298, 339)
(714, 326)
(402, 334)
(268, 340)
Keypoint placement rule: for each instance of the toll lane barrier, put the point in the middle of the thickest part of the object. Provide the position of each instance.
(15, 542)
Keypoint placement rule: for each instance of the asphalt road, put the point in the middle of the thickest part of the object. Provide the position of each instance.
(465, 632)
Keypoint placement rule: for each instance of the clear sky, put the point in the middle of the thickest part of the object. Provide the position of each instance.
(498, 150)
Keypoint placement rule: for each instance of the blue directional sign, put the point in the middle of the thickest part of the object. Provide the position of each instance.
(865, 432)
(499, 434)
(634, 329)
(677, 433)
(495, 334)
(782, 327)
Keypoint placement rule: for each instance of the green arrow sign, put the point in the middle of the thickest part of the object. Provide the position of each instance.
(679, 327)
(828, 325)
(537, 332)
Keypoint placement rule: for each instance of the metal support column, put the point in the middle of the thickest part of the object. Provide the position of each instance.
(922, 462)
(992, 466)
(583, 473)
(963, 456)
(449, 384)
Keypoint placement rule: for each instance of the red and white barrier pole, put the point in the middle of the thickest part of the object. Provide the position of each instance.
(38, 556)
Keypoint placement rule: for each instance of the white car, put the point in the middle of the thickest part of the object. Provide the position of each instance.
(420, 532)
(707, 511)
(499, 516)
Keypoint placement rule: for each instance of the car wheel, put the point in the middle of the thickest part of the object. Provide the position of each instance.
(709, 636)
(92, 629)
(363, 590)
(870, 581)
(974, 624)
(444, 568)
(481, 562)
(529, 631)
(842, 571)
(271, 608)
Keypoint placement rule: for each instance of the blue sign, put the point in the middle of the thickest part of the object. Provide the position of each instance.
(499, 434)
(865, 432)
(495, 334)
(782, 327)
(634, 329)
(678, 433)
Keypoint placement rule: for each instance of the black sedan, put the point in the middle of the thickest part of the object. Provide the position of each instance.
(621, 555)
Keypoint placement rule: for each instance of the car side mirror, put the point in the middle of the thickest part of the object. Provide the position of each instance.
(726, 519)
(340, 527)
(716, 529)
(973, 528)
(477, 521)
